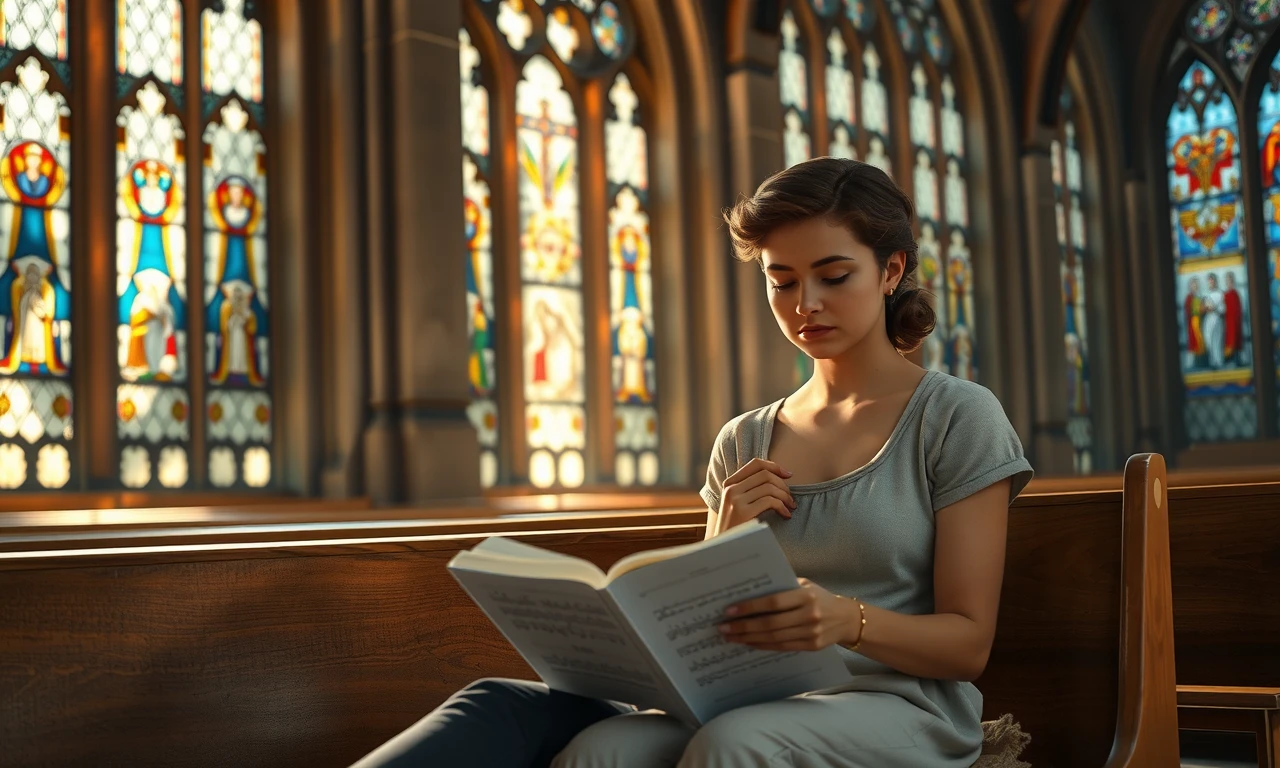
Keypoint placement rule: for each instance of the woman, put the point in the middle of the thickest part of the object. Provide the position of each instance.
(888, 488)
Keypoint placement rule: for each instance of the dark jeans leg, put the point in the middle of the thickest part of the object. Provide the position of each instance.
(493, 723)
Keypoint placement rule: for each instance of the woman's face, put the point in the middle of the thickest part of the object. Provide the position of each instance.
(826, 289)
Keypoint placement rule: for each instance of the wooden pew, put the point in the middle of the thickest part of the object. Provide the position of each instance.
(1083, 655)
(308, 643)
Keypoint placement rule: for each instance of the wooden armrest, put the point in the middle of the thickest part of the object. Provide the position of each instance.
(1228, 697)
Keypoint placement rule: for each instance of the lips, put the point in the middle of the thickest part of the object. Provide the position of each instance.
(814, 332)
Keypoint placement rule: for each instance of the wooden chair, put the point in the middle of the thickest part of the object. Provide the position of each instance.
(1083, 654)
(1234, 709)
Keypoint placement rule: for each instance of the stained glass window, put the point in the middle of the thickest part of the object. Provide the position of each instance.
(631, 291)
(875, 111)
(35, 265)
(565, 356)
(1068, 184)
(478, 224)
(1212, 278)
(939, 187)
(153, 405)
(236, 285)
(841, 121)
(851, 99)
(551, 273)
(793, 82)
(149, 39)
(1269, 137)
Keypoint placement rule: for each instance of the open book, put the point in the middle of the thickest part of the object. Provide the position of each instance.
(645, 633)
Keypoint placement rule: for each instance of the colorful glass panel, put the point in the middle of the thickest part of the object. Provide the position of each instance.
(35, 265)
(153, 407)
(1209, 20)
(1207, 223)
(232, 52)
(39, 24)
(875, 111)
(236, 291)
(631, 303)
(825, 7)
(841, 121)
(515, 23)
(1259, 12)
(861, 13)
(793, 82)
(478, 226)
(551, 273)
(562, 36)
(1240, 49)
(149, 39)
(1068, 184)
(1269, 151)
(609, 31)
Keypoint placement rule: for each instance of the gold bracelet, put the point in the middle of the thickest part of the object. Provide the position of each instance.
(862, 624)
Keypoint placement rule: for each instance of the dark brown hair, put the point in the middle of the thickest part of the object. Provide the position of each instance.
(864, 200)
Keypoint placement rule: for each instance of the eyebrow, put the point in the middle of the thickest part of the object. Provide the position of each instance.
(819, 263)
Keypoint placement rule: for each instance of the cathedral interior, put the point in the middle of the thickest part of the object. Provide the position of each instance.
(352, 277)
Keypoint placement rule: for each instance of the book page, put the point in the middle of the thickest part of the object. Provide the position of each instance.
(641, 559)
(675, 605)
(499, 555)
(571, 636)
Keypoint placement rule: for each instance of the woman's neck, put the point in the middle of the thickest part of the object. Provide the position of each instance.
(867, 371)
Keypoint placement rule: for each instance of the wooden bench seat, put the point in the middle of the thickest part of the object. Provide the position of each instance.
(1239, 709)
(1083, 655)
(300, 643)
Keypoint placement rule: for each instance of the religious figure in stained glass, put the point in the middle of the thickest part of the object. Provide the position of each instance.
(629, 251)
(1207, 219)
(550, 245)
(479, 365)
(151, 306)
(235, 312)
(32, 296)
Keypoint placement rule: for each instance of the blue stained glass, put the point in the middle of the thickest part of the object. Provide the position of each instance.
(607, 29)
(1209, 20)
(861, 13)
(1259, 12)
(825, 7)
(1211, 277)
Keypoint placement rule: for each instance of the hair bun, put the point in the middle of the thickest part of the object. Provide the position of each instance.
(909, 318)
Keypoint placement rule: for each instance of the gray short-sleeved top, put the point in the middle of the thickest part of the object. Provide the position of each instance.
(870, 533)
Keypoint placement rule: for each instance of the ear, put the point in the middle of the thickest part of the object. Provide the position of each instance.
(895, 269)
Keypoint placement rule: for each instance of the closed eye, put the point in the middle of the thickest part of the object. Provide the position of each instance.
(780, 287)
(836, 280)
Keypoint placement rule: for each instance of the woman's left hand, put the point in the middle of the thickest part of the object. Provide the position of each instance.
(804, 619)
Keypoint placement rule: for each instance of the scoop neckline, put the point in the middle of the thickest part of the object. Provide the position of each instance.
(771, 420)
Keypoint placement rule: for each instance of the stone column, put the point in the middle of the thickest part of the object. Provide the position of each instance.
(1052, 452)
(437, 449)
(382, 466)
(344, 351)
(766, 360)
(1141, 316)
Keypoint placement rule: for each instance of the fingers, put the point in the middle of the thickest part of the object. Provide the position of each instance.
(808, 636)
(771, 604)
(764, 497)
(754, 466)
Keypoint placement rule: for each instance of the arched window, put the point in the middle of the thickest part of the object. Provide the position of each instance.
(1220, 236)
(854, 115)
(36, 414)
(189, 304)
(576, 270)
(1073, 239)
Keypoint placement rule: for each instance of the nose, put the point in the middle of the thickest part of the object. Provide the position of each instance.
(809, 302)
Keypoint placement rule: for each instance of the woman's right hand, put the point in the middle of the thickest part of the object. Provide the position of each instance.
(753, 490)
